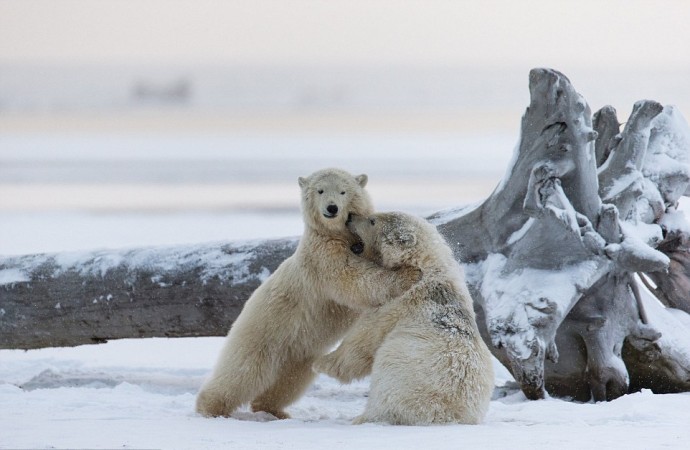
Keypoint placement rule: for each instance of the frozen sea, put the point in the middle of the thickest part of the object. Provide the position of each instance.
(105, 189)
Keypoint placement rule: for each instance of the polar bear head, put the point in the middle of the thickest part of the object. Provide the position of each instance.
(395, 239)
(329, 196)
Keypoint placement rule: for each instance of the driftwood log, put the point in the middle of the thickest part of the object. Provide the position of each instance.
(584, 210)
(70, 299)
(568, 261)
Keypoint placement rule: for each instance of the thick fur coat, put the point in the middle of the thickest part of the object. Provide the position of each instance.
(304, 307)
(427, 361)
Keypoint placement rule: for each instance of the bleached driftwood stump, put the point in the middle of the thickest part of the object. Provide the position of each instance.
(553, 258)
(553, 263)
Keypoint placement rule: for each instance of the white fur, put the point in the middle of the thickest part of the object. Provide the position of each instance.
(427, 361)
(303, 308)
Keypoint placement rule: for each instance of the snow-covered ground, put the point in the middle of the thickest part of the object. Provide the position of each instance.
(140, 393)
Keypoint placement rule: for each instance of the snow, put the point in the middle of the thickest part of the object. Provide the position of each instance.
(670, 137)
(666, 159)
(674, 220)
(675, 323)
(140, 393)
(621, 183)
(519, 234)
(522, 300)
(640, 239)
(216, 258)
(10, 276)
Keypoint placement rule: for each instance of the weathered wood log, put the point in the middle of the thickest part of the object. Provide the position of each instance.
(613, 347)
(551, 266)
(621, 181)
(71, 299)
(608, 313)
(605, 122)
(531, 248)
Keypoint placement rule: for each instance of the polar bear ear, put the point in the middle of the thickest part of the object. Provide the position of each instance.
(362, 180)
(302, 182)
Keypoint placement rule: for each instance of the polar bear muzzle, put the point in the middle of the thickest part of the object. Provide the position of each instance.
(331, 211)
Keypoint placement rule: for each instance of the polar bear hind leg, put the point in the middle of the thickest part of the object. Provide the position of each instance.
(405, 392)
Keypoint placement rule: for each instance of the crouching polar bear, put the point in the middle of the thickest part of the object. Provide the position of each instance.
(427, 361)
(304, 307)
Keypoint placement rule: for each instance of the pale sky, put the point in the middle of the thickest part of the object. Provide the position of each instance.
(592, 33)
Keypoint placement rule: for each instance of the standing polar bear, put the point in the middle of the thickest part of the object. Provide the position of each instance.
(304, 307)
(427, 361)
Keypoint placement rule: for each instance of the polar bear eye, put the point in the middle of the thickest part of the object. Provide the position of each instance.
(320, 191)
(342, 193)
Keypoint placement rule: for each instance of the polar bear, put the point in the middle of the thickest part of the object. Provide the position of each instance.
(427, 361)
(304, 307)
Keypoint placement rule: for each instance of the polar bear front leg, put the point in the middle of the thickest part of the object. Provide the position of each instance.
(362, 284)
(211, 404)
(221, 396)
(343, 366)
(354, 357)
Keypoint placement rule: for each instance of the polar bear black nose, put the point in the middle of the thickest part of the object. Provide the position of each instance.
(333, 209)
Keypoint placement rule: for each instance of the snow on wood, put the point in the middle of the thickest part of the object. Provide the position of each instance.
(69, 299)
